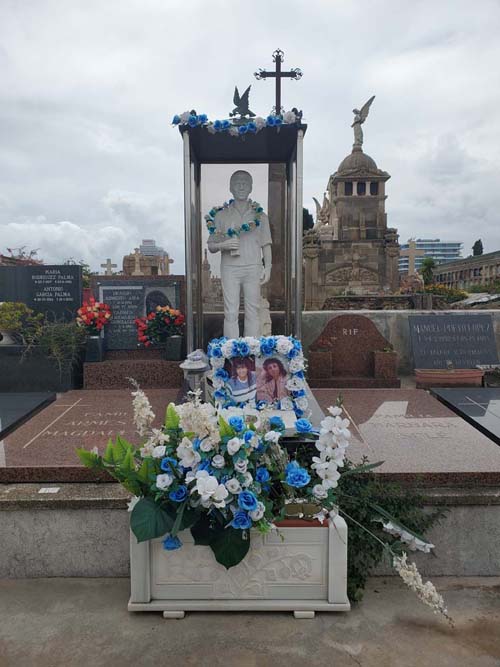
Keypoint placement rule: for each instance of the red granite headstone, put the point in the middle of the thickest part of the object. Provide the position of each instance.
(351, 341)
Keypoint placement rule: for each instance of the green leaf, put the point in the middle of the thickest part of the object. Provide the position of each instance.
(178, 518)
(229, 546)
(201, 531)
(366, 467)
(120, 449)
(128, 464)
(225, 430)
(88, 459)
(107, 457)
(147, 472)
(189, 517)
(388, 516)
(148, 520)
(171, 417)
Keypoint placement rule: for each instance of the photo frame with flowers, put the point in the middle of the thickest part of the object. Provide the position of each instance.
(274, 374)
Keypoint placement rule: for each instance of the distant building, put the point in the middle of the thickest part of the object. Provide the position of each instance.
(415, 250)
(474, 270)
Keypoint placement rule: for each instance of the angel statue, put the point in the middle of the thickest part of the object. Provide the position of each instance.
(360, 115)
(241, 103)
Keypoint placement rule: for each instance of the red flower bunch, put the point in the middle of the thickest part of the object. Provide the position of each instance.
(93, 315)
(159, 325)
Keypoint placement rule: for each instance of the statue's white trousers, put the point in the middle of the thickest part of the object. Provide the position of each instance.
(234, 279)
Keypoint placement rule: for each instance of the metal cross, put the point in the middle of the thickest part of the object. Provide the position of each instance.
(278, 58)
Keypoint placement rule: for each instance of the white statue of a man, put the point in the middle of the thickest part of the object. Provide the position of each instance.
(246, 256)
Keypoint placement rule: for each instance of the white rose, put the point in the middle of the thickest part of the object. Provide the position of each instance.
(247, 479)
(227, 349)
(241, 465)
(159, 451)
(234, 445)
(286, 403)
(206, 445)
(163, 481)
(257, 514)
(253, 344)
(218, 461)
(259, 122)
(272, 436)
(302, 403)
(184, 117)
(219, 496)
(295, 365)
(319, 492)
(233, 131)
(283, 345)
(289, 117)
(217, 362)
(233, 486)
(335, 410)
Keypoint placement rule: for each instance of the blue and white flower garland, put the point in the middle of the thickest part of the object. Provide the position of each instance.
(222, 349)
(245, 227)
(234, 127)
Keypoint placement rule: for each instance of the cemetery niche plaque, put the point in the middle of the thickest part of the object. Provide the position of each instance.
(452, 341)
(54, 290)
(129, 298)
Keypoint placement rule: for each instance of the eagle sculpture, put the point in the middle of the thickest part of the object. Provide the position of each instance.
(241, 104)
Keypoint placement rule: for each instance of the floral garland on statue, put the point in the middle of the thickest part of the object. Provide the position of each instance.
(245, 227)
(223, 349)
(236, 128)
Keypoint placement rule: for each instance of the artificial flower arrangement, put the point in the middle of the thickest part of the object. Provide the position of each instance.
(159, 325)
(285, 348)
(225, 475)
(93, 316)
(235, 127)
(231, 232)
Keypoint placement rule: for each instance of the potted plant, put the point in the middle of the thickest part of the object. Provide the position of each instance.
(210, 494)
(93, 316)
(162, 327)
(18, 323)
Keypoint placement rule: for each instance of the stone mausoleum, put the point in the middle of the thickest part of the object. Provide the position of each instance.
(351, 250)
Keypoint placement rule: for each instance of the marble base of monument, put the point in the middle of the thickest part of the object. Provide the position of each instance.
(458, 377)
(303, 569)
(149, 373)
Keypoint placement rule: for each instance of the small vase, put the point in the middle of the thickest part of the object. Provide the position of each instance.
(6, 338)
(173, 348)
(94, 350)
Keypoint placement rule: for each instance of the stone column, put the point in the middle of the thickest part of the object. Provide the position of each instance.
(311, 277)
(276, 211)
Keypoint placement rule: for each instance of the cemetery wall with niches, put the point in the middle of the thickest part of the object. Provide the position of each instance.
(393, 325)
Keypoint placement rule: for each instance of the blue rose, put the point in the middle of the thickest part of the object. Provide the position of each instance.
(303, 426)
(278, 121)
(203, 118)
(219, 395)
(217, 352)
(165, 463)
(243, 129)
(205, 465)
(245, 227)
(276, 423)
(293, 465)
(211, 230)
(299, 393)
(262, 475)
(259, 209)
(172, 543)
(267, 345)
(247, 501)
(292, 353)
(193, 120)
(252, 127)
(226, 124)
(241, 521)
(238, 423)
(260, 405)
(176, 120)
(298, 412)
(218, 125)
(297, 477)
(221, 374)
(270, 121)
(248, 435)
(240, 348)
(179, 494)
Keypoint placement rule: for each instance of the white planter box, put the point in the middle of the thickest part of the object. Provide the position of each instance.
(304, 573)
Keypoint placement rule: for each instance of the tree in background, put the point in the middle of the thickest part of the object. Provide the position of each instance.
(477, 248)
(426, 269)
(86, 272)
(307, 220)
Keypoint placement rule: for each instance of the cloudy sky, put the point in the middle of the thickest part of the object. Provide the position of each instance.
(89, 164)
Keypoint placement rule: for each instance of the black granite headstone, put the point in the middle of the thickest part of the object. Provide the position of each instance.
(134, 297)
(55, 290)
(452, 341)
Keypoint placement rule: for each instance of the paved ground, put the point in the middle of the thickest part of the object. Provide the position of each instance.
(76, 622)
